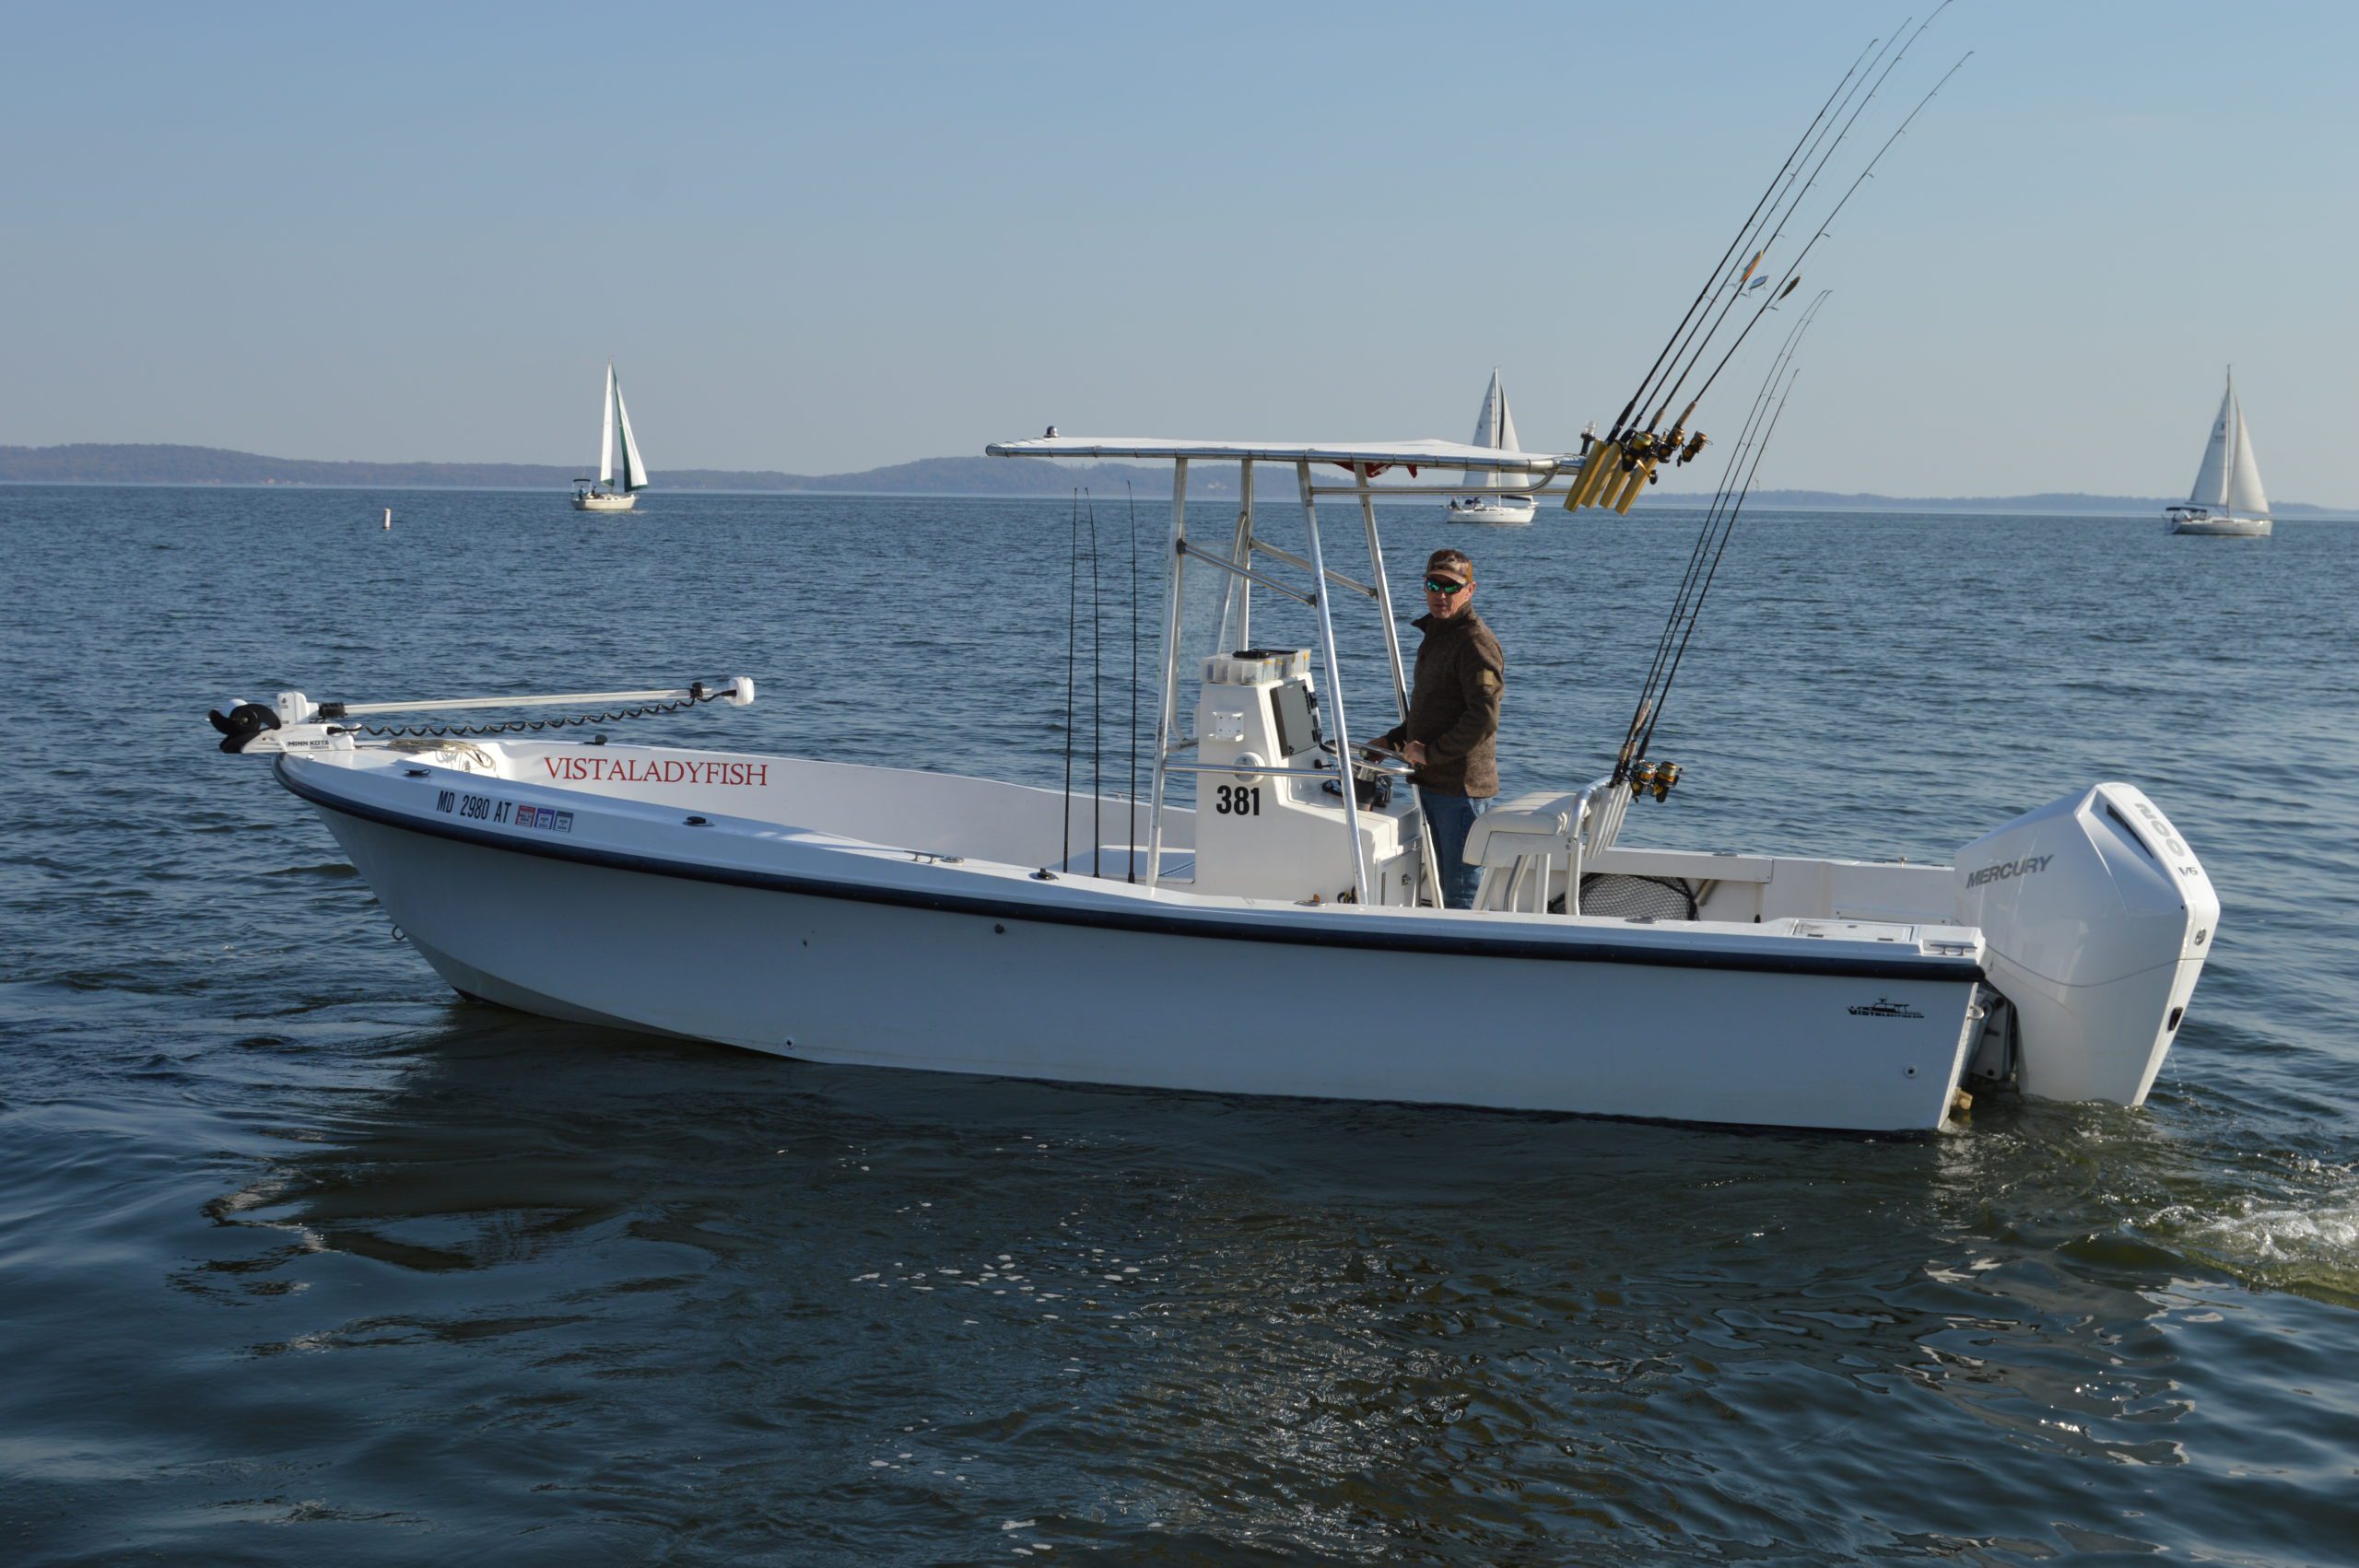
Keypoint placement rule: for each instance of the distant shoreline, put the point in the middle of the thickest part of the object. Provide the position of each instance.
(1688, 501)
(183, 467)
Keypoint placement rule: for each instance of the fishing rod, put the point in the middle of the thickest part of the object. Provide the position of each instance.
(1714, 535)
(1614, 476)
(1133, 840)
(1696, 558)
(1791, 207)
(1827, 223)
(1683, 606)
(1813, 141)
(1751, 220)
(1097, 689)
(1617, 473)
(1073, 634)
(1626, 758)
(1760, 450)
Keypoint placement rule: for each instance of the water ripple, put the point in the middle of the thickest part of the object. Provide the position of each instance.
(294, 1239)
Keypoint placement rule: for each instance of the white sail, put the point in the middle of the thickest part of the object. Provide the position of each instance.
(607, 432)
(1493, 426)
(2212, 479)
(2229, 481)
(2246, 497)
(634, 470)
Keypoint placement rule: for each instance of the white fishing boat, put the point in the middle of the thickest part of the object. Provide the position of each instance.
(1277, 936)
(2227, 499)
(599, 495)
(1273, 930)
(1494, 427)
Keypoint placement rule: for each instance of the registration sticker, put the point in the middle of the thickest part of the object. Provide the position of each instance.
(488, 808)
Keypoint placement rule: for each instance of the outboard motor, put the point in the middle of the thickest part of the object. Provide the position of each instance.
(2095, 920)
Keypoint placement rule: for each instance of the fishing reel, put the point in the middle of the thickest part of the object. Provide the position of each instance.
(1612, 475)
(1679, 447)
(1656, 778)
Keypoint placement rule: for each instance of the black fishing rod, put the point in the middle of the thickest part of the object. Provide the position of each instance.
(1688, 598)
(1133, 840)
(1808, 149)
(1073, 634)
(1633, 458)
(1704, 342)
(1626, 758)
(1760, 450)
(1696, 555)
(1097, 686)
(1751, 220)
(1745, 437)
(1825, 225)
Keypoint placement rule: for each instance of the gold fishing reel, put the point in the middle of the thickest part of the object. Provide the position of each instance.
(1656, 778)
(1613, 473)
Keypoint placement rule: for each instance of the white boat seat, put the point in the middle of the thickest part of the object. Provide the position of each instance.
(1537, 824)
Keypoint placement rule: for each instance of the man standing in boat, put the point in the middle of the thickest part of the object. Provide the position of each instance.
(1451, 736)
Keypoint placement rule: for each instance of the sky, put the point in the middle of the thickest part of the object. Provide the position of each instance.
(828, 237)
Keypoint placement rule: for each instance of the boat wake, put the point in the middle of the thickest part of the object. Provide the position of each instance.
(2304, 1243)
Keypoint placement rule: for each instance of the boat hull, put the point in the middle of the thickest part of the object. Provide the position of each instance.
(2220, 527)
(1496, 514)
(1329, 1006)
(604, 503)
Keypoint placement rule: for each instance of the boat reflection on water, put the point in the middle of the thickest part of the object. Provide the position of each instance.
(1325, 1325)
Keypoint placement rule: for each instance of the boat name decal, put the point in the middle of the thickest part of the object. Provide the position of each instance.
(483, 808)
(1880, 1008)
(2027, 866)
(670, 770)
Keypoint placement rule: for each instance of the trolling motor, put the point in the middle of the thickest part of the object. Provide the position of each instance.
(295, 723)
(242, 724)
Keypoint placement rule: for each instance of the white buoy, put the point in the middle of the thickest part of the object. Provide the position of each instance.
(389, 516)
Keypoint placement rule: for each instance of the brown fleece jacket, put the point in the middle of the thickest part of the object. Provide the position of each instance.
(1454, 706)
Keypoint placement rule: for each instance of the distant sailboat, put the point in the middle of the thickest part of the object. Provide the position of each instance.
(2227, 498)
(601, 496)
(1495, 427)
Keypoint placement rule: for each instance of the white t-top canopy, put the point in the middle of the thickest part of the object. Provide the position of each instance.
(1380, 454)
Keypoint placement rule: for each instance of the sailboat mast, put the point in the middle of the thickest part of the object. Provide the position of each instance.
(2233, 427)
(607, 432)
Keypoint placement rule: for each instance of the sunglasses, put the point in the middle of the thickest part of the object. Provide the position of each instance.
(1442, 585)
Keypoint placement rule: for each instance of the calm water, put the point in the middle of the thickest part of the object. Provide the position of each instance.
(303, 1260)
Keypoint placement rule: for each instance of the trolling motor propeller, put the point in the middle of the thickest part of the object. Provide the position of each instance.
(243, 723)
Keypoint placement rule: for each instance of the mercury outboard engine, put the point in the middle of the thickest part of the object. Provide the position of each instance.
(2095, 920)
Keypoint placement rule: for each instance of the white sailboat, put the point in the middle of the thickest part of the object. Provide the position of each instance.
(2227, 498)
(1495, 427)
(600, 495)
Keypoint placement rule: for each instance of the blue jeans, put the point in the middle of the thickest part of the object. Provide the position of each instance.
(1451, 817)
